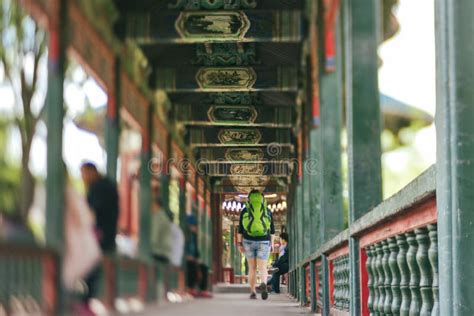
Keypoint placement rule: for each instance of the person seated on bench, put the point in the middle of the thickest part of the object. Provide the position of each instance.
(281, 265)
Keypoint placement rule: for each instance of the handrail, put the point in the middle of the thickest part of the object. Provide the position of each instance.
(410, 215)
(419, 190)
(34, 287)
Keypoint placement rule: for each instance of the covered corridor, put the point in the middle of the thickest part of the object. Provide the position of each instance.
(232, 305)
(210, 99)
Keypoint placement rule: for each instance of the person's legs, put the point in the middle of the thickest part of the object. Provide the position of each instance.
(252, 274)
(191, 273)
(203, 282)
(262, 268)
(276, 282)
(263, 253)
(91, 282)
(250, 248)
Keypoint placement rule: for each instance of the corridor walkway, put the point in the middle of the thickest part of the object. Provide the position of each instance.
(232, 304)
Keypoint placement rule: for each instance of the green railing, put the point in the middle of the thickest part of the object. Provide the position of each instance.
(403, 273)
(28, 280)
(396, 259)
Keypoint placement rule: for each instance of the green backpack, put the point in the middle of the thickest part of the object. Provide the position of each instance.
(256, 221)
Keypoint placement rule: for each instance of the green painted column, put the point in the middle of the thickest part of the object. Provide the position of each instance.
(362, 105)
(204, 228)
(312, 275)
(306, 211)
(112, 125)
(182, 202)
(55, 180)
(330, 153)
(455, 155)
(314, 170)
(165, 177)
(231, 246)
(145, 192)
(325, 283)
(303, 297)
(300, 220)
(361, 36)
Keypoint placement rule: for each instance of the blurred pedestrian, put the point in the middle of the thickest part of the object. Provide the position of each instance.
(197, 273)
(161, 242)
(281, 265)
(103, 199)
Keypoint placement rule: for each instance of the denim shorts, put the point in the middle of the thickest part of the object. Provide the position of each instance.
(257, 249)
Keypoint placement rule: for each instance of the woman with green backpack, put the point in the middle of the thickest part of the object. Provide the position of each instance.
(255, 239)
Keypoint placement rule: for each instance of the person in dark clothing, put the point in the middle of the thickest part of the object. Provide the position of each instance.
(103, 199)
(197, 273)
(255, 239)
(281, 265)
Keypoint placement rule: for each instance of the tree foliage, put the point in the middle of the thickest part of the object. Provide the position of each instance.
(22, 51)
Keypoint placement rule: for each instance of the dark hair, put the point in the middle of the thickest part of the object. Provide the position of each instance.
(284, 236)
(89, 166)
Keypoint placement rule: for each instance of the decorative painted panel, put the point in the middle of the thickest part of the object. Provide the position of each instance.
(250, 154)
(232, 114)
(226, 54)
(202, 26)
(239, 136)
(212, 4)
(134, 101)
(247, 169)
(166, 26)
(226, 78)
(95, 55)
(246, 190)
(234, 98)
(249, 180)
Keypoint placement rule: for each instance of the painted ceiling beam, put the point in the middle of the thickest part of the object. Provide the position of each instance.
(226, 79)
(146, 5)
(165, 26)
(246, 154)
(234, 115)
(231, 137)
(261, 98)
(223, 54)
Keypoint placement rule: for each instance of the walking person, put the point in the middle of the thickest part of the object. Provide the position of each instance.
(161, 240)
(192, 255)
(103, 199)
(281, 265)
(197, 273)
(255, 239)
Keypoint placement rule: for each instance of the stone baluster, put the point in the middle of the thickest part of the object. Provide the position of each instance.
(335, 273)
(347, 283)
(433, 257)
(395, 271)
(376, 280)
(379, 263)
(415, 304)
(387, 307)
(370, 278)
(404, 275)
(320, 285)
(426, 278)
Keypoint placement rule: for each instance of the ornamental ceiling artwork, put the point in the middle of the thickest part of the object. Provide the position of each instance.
(232, 71)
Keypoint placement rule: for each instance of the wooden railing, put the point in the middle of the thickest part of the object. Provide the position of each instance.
(397, 259)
